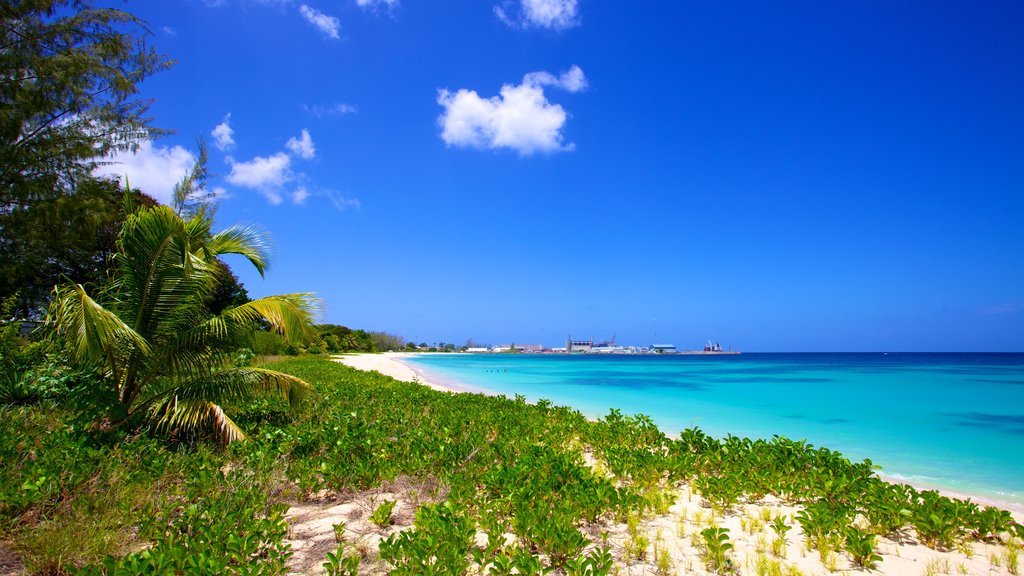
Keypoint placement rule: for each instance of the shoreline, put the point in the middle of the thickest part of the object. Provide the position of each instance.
(391, 364)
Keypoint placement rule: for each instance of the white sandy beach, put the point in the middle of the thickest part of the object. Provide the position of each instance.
(390, 364)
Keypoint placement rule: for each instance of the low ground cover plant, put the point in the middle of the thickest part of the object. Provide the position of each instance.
(123, 501)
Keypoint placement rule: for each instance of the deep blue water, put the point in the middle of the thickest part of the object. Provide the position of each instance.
(952, 421)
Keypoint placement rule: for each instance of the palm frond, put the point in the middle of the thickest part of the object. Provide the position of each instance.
(185, 415)
(246, 241)
(291, 315)
(240, 383)
(156, 268)
(93, 333)
(194, 405)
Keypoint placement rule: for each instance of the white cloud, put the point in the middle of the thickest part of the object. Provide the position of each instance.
(152, 169)
(553, 14)
(336, 109)
(299, 195)
(169, 31)
(572, 80)
(263, 174)
(520, 118)
(329, 25)
(341, 202)
(366, 4)
(223, 135)
(302, 146)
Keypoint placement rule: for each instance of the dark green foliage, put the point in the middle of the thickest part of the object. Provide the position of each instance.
(70, 73)
(343, 339)
(385, 342)
(229, 291)
(58, 238)
(18, 351)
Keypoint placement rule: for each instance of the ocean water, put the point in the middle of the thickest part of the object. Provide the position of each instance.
(949, 421)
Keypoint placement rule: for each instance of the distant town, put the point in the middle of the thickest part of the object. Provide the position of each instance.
(591, 347)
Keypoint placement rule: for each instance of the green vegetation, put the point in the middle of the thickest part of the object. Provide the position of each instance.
(72, 495)
(861, 547)
(55, 216)
(162, 354)
(716, 549)
(382, 514)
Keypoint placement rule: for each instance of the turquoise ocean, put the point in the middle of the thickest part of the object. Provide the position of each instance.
(948, 421)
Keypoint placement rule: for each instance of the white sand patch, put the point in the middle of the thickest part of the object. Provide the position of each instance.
(389, 364)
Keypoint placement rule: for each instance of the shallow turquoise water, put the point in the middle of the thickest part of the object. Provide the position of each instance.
(952, 421)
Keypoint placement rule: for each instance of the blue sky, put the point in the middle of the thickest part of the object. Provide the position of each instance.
(798, 176)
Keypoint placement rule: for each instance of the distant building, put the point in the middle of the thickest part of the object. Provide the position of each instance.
(579, 346)
(532, 348)
(478, 350)
(663, 348)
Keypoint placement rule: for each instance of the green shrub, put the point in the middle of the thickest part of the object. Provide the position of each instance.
(438, 543)
(266, 343)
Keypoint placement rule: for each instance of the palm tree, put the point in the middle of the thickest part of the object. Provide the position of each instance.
(152, 336)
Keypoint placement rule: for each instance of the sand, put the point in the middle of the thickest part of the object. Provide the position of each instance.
(671, 536)
(388, 364)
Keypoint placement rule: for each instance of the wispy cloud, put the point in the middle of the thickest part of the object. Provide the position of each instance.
(336, 109)
(1003, 309)
(299, 195)
(223, 135)
(374, 4)
(328, 25)
(552, 14)
(572, 80)
(152, 169)
(520, 118)
(342, 202)
(302, 146)
(168, 31)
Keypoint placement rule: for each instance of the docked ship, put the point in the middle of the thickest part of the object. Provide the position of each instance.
(712, 349)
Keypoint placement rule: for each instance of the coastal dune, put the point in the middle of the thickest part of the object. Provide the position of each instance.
(673, 533)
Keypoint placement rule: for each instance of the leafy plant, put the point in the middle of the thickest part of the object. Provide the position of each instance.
(938, 520)
(597, 563)
(716, 549)
(381, 515)
(340, 564)
(438, 543)
(861, 547)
